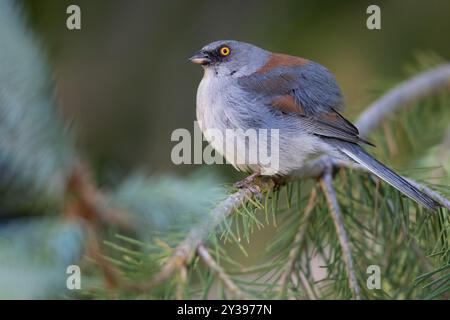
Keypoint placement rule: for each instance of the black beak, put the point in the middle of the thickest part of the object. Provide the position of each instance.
(201, 57)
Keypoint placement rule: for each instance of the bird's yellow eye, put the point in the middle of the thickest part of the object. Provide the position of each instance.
(224, 51)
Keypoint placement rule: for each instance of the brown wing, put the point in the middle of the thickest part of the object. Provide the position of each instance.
(297, 86)
(330, 124)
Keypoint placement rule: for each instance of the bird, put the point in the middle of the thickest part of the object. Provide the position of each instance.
(245, 87)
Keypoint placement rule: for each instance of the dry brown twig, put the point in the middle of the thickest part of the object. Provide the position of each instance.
(407, 92)
(85, 203)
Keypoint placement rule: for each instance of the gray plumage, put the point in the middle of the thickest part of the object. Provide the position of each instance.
(313, 85)
(357, 154)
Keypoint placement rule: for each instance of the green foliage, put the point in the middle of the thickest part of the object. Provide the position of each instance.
(408, 137)
(35, 254)
(35, 154)
(167, 203)
(410, 246)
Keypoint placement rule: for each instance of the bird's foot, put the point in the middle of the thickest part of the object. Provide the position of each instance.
(250, 183)
(247, 182)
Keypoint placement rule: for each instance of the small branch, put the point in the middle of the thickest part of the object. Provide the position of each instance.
(310, 291)
(316, 168)
(295, 250)
(185, 249)
(327, 185)
(111, 274)
(220, 273)
(431, 193)
(181, 285)
(407, 92)
(85, 201)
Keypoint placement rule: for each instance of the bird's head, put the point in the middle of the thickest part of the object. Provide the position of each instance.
(231, 58)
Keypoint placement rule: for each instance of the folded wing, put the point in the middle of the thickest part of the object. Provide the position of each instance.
(307, 89)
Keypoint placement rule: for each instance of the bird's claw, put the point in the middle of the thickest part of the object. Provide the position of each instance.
(247, 182)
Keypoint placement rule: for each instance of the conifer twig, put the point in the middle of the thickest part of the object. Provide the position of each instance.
(433, 194)
(316, 168)
(326, 183)
(296, 246)
(409, 91)
(402, 95)
(218, 270)
(84, 200)
(181, 285)
(185, 249)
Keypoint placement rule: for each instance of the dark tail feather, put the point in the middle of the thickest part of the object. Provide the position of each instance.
(356, 153)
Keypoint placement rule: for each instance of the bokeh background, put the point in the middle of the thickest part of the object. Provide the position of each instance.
(124, 82)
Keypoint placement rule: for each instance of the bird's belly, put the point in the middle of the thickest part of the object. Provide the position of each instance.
(224, 128)
(255, 144)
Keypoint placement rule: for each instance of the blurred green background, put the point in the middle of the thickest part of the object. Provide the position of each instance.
(124, 82)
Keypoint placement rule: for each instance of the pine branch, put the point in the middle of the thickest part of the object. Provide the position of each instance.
(86, 202)
(409, 91)
(295, 250)
(316, 169)
(181, 285)
(218, 270)
(433, 194)
(185, 249)
(326, 183)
